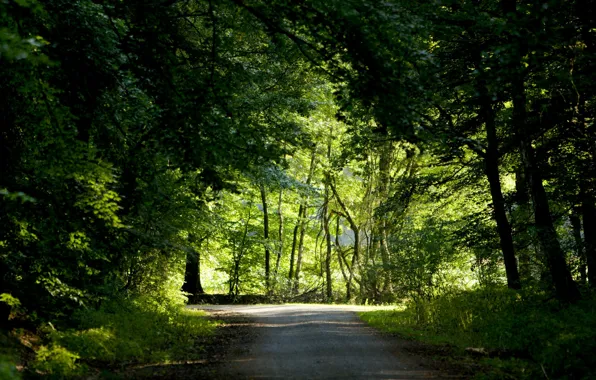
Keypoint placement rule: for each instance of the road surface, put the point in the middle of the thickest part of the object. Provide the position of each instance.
(318, 342)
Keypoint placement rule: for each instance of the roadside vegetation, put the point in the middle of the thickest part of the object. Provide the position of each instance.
(109, 340)
(354, 151)
(513, 335)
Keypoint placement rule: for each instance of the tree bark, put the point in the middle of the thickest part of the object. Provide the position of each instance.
(491, 168)
(192, 273)
(589, 219)
(354, 227)
(326, 220)
(576, 227)
(295, 240)
(280, 232)
(301, 222)
(266, 238)
(383, 189)
(566, 289)
(300, 252)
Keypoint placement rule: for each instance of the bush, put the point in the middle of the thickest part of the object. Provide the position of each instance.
(8, 370)
(535, 334)
(57, 362)
(125, 332)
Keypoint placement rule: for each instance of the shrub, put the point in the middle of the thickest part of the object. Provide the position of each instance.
(137, 331)
(8, 370)
(57, 362)
(538, 335)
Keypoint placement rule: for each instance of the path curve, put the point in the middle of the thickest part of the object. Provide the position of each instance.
(318, 342)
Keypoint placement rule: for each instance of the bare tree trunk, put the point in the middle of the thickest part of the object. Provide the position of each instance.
(491, 168)
(301, 222)
(300, 252)
(589, 219)
(192, 273)
(383, 191)
(295, 240)
(280, 232)
(326, 220)
(338, 249)
(266, 237)
(576, 227)
(566, 288)
(346, 214)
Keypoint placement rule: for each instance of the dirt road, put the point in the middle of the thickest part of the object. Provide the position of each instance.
(318, 342)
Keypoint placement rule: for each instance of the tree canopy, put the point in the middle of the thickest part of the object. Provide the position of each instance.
(327, 151)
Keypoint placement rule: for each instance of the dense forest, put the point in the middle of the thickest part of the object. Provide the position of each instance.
(438, 153)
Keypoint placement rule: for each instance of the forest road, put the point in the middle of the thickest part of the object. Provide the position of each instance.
(318, 342)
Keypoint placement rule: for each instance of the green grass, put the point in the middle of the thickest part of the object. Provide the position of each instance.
(537, 336)
(121, 334)
(9, 355)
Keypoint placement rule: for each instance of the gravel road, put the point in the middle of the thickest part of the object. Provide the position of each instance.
(318, 342)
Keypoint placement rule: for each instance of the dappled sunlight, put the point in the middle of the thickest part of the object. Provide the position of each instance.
(318, 341)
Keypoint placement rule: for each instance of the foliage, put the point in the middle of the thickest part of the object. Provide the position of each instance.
(139, 331)
(9, 354)
(332, 150)
(530, 333)
(56, 362)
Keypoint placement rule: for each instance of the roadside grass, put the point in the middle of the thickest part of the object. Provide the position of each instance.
(516, 335)
(119, 335)
(9, 356)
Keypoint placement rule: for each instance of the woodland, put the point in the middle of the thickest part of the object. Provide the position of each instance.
(437, 154)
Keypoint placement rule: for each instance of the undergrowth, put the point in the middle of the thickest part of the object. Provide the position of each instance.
(120, 334)
(9, 353)
(526, 336)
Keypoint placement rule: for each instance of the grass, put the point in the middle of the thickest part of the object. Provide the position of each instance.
(527, 336)
(9, 356)
(123, 334)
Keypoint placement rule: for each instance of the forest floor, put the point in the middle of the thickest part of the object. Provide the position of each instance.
(307, 341)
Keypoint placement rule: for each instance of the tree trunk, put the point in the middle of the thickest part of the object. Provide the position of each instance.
(280, 232)
(589, 219)
(295, 240)
(300, 251)
(192, 273)
(301, 222)
(566, 288)
(491, 162)
(326, 220)
(576, 227)
(338, 249)
(356, 230)
(383, 189)
(266, 238)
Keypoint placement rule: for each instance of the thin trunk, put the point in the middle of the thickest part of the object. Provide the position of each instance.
(300, 251)
(295, 240)
(383, 188)
(338, 249)
(523, 216)
(266, 238)
(280, 232)
(491, 161)
(301, 222)
(326, 220)
(576, 227)
(356, 230)
(589, 219)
